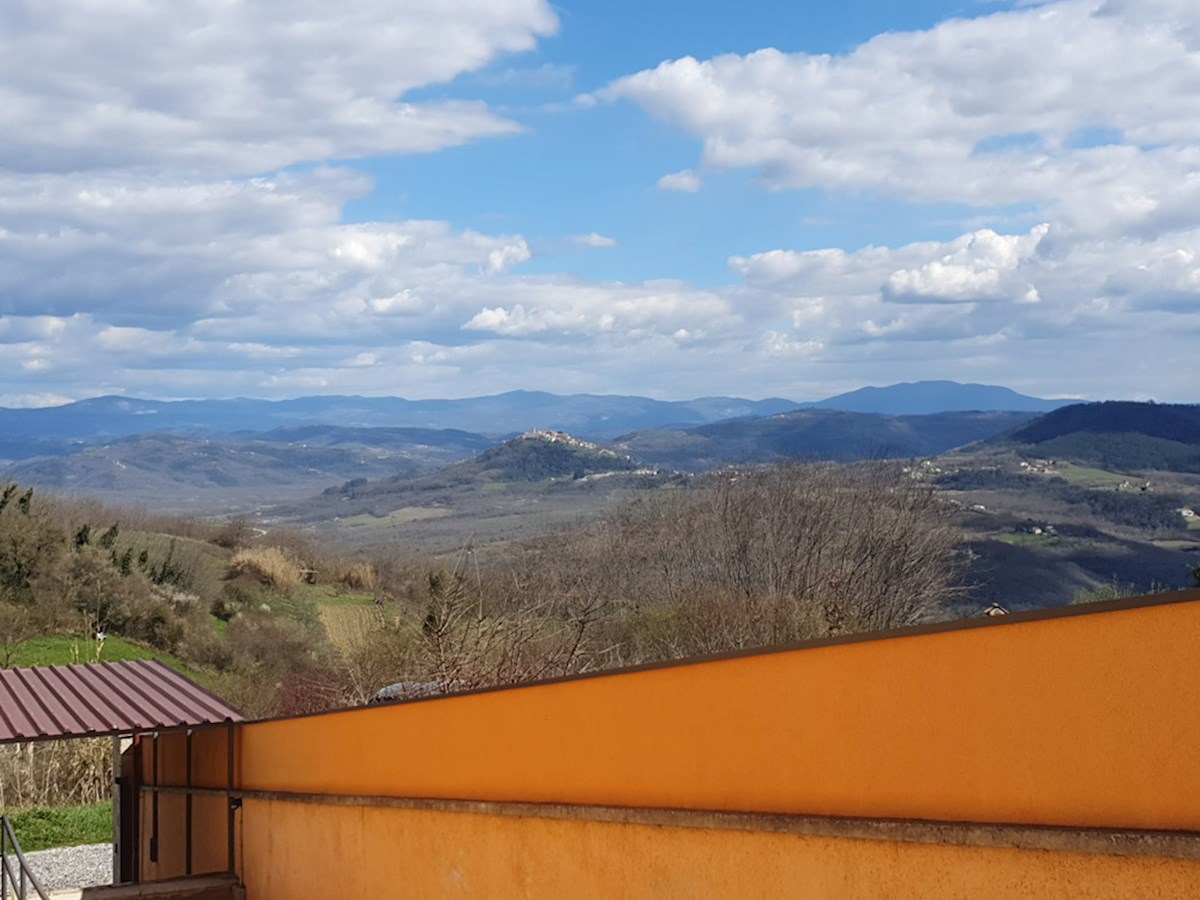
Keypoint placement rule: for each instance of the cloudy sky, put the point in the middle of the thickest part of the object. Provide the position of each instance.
(442, 198)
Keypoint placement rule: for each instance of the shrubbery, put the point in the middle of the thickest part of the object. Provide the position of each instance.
(738, 560)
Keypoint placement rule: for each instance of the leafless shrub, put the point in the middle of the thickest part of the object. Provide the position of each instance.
(358, 576)
(55, 772)
(745, 559)
(862, 548)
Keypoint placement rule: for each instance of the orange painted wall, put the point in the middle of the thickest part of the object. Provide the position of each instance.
(1086, 720)
(423, 854)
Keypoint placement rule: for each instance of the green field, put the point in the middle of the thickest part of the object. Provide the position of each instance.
(406, 515)
(1194, 524)
(62, 650)
(1085, 476)
(63, 826)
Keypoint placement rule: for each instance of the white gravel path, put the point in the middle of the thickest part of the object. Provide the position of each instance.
(72, 867)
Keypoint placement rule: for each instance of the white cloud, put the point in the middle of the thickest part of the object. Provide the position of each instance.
(980, 266)
(614, 311)
(510, 254)
(595, 240)
(1166, 280)
(241, 88)
(687, 180)
(35, 401)
(778, 344)
(992, 110)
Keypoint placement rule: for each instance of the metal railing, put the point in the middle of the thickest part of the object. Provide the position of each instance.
(24, 879)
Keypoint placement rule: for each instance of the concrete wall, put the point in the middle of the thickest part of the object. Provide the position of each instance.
(1080, 722)
(394, 853)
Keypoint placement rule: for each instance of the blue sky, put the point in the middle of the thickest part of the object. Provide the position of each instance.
(455, 197)
(608, 160)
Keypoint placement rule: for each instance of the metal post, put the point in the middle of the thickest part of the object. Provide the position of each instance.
(187, 862)
(154, 807)
(116, 798)
(229, 796)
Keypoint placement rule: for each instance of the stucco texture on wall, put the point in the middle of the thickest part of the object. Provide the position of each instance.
(1086, 720)
(382, 852)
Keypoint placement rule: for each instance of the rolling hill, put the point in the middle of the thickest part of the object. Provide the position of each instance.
(1119, 435)
(533, 457)
(815, 434)
(528, 485)
(182, 472)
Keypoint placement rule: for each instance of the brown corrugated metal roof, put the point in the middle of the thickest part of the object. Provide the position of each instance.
(96, 699)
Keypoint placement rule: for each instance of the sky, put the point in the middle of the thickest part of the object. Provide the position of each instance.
(449, 198)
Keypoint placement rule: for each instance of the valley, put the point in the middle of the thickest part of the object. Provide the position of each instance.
(1048, 502)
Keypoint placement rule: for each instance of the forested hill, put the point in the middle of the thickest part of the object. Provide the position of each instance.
(815, 434)
(1169, 421)
(1117, 434)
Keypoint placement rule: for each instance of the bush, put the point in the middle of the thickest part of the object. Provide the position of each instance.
(63, 826)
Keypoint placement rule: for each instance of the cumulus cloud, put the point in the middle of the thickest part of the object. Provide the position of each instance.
(243, 88)
(981, 266)
(991, 110)
(981, 290)
(167, 254)
(687, 180)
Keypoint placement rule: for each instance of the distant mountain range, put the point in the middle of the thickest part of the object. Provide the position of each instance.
(55, 431)
(927, 397)
(107, 418)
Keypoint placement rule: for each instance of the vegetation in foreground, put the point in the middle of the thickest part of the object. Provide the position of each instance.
(277, 624)
(44, 828)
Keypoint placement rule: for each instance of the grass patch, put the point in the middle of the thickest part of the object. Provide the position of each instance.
(334, 595)
(63, 826)
(406, 515)
(62, 650)
(1087, 477)
(1194, 524)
